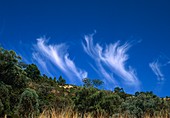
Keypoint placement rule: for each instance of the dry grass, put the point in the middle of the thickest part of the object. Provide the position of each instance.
(71, 114)
(56, 114)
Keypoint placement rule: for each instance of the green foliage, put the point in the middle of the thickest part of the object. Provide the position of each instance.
(95, 101)
(97, 82)
(10, 71)
(92, 83)
(111, 103)
(33, 72)
(87, 82)
(28, 104)
(84, 100)
(147, 103)
(1, 107)
(24, 92)
(4, 99)
(61, 81)
(118, 90)
(46, 98)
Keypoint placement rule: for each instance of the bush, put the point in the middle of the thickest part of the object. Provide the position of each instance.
(28, 105)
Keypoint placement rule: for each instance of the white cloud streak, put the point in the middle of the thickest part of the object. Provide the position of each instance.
(161, 62)
(155, 66)
(114, 57)
(59, 56)
(36, 56)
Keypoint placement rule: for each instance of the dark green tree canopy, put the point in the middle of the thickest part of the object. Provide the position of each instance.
(61, 81)
(10, 71)
(87, 82)
(92, 83)
(97, 82)
(118, 90)
(33, 72)
(28, 104)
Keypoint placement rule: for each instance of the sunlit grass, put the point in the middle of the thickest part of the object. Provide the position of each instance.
(69, 113)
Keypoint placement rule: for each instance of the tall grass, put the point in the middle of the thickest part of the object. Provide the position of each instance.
(69, 113)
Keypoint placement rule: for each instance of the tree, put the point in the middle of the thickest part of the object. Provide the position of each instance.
(91, 83)
(143, 103)
(4, 99)
(1, 107)
(61, 81)
(33, 72)
(111, 103)
(84, 100)
(10, 71)
(137, 93)
(28, 104)
(55, 80)
(97, 82)
(87, 82)
(133, 107)
(118, 90)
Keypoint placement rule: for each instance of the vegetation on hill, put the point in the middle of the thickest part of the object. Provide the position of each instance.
(25, 93)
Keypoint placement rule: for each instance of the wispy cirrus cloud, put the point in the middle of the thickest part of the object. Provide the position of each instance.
(156, 68)
(157, 65)
(36, 56)
(112, 57)
(59, 56)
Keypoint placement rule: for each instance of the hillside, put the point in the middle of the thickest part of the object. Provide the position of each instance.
(26, 93)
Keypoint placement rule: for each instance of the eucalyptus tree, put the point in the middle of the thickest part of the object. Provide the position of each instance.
(10, 71)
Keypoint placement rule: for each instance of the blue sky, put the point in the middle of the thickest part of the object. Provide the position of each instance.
(122, 42)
